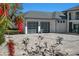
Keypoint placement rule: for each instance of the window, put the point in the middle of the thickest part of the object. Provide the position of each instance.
(75, 27)
(63, 21)
(77, 15)
(58, 21)
(69, 16)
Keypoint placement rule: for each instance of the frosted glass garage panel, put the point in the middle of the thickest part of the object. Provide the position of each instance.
(45, 27)
(32, 27)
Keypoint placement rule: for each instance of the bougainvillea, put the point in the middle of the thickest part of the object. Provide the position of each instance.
(1, 11)
(8, 14)
(19, 23)
(8, 6)
(5, 13)
(11, 48)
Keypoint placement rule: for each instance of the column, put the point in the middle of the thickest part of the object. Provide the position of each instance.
(26, 28)
(39, 27)
(67, 22)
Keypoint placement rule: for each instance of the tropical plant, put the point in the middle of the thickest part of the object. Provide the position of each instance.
(19, 22)
(8, 14)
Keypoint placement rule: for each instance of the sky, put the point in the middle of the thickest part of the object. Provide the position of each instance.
(48, 7)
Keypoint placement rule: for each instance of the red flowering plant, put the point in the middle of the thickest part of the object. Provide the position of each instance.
(11, 47)
(8, 14)
(19, 23)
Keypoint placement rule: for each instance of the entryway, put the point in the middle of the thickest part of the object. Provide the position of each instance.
(73, 27)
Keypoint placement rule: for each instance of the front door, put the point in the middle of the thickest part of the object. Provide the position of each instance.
(70, 26)
(76, 28)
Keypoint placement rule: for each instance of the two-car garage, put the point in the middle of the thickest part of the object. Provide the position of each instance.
(44, 22)
(33, 27)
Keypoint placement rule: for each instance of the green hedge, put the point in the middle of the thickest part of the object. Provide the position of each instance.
(2, 39)
(12, 32)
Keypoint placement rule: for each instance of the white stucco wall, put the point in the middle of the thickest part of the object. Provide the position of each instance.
(52, 26)
(61, 27)
(74, 21)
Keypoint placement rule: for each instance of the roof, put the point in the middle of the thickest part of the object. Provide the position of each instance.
(41, 14)
(73, 8)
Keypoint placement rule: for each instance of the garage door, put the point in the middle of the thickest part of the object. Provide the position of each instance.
(32, 27)
(45, 27)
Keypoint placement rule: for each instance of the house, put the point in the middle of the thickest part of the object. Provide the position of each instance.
(72, 15)
(49, 22)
